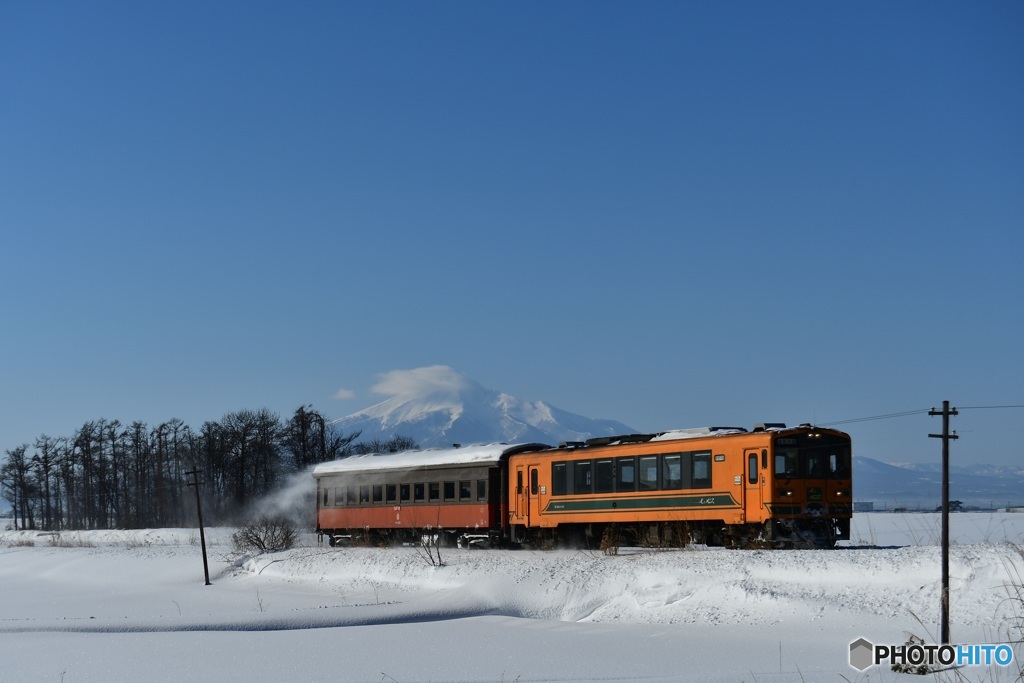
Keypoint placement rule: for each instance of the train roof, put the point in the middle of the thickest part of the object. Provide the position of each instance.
(434, 457)
(494, 452)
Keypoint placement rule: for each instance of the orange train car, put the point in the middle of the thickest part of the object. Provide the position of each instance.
(770, 487)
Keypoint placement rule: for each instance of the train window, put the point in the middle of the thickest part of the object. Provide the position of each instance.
(324, 504)
(752, 468)
(339, 496)
(434, 489)
(604, 476)
(559, 474)
(352, 495)
(815, 466)
(702, 470)
(584, 477)
(672, 471)
(648, 473)
(533, 481)
(449, 490)
(419, 490)
(364, 494)
(481, 489)
(519, 482)
(839, 465)
(786, 463)
(625, 468)
(391, 493)
(378, 493)
(764, 459)
(403, 493)
(465, 490)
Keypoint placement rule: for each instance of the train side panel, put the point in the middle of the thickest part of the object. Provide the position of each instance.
(649, 482)
(409, 500)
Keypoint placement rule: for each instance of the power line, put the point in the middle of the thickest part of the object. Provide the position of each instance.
(907, 413)
(987, 407)
(887, 416)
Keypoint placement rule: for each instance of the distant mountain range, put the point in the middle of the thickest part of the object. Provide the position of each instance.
(917, 486)
(437, 406)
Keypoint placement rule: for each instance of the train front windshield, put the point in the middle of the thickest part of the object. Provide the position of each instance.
(813, 455)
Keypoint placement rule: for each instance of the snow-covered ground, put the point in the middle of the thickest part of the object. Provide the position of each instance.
(130, 606)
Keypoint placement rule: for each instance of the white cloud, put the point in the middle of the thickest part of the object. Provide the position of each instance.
(343, 395)
(421, 381)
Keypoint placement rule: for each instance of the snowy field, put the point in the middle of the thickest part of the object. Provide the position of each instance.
(132, 606)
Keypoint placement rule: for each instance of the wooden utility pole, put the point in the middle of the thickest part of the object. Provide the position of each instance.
(199, 509)
(945, 436)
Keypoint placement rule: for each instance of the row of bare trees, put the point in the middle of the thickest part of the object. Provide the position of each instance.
(108, 475)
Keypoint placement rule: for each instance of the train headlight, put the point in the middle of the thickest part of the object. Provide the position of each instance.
(842, 492)
(785, 492)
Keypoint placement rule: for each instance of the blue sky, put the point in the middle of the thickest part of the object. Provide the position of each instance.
(670, 214)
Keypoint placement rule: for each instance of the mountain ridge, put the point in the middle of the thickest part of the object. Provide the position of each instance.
(438, 406)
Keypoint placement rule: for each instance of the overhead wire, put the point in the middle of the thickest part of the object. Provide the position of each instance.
(907, 413)
(887, 416)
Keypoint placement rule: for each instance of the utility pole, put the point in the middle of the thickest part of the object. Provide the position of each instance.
(199, 509)
(945, 436)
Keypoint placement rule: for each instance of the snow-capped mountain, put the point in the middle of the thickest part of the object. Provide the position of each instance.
(437, 406)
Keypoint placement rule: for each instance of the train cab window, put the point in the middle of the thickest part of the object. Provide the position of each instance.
(604, 476)
(378, 493)
(815, 466)
(839, 465)
(559, 478)
(672, 471)
(584, 477)
(419, 490)
(625, 469)
(786, 463)
(391, 493)
(364, 494)
(481, 489)
(752, 468)
(434, 489)
(702, 470)
(449, 490)
(648, 473)
(465, 490)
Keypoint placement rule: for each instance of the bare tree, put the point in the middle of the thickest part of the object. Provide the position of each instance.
(18, 486)
(395, 444)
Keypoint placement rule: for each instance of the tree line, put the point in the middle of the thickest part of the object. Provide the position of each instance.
(110, 476)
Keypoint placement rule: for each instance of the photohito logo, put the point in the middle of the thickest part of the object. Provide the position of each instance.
(916, 653)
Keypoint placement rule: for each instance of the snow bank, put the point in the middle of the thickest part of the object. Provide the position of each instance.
(120, 606)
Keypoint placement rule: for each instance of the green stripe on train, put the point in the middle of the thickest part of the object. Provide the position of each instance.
(604, 505)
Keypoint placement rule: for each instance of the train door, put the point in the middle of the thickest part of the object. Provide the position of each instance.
(753, 483)
(534, 494)
(521, 514)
